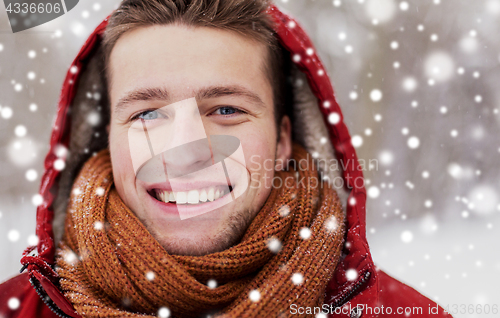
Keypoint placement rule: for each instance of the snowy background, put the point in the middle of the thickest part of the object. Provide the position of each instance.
(418, 83)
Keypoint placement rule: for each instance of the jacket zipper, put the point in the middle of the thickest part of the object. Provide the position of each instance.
(347, 294)
(46, 299)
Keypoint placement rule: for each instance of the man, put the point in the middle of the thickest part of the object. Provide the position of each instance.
(183, 193)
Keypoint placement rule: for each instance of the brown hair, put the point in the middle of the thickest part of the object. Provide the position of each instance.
(246, 17)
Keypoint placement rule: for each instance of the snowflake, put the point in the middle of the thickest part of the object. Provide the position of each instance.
(297, 278)
(386, 157)
(13, 303)
(59, 164)
(98, 225)
(33, 240)
(428, 203)
(274, 245)
(413, 142)
(404, 6)
(373, 192)
(212, 283)
(164, 312)
(406, 236)
(254, 295)
(410, 84)
(334, 118)
(284, 211)
(13, 235)
(100, 191)
(305, 233)
(331, 224)
(351, 274)
(6, 112)
(37, 200)
(357, 141)
(61, 151)
(31, 175)
(380, 11)
(150, 276)
(94, 118)
(70, 257)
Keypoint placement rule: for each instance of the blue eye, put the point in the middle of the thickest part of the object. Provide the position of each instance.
(226, 110)
(148, 115)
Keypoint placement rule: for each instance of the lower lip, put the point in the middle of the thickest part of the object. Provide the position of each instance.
(185, 211)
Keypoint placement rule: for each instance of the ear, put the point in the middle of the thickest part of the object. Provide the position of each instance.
(284, 147)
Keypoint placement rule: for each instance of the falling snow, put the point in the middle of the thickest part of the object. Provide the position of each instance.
(351, 274)
(419, 94)
(297, 278)
(150, 276)
(407, 236)
(13, 303)
(212, 283)
(100, 191)
(305, 233)
(274, 245)
(164, 312)
(284, 211)
(254, 295)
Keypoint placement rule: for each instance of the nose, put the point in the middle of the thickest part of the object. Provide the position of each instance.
(186, 148)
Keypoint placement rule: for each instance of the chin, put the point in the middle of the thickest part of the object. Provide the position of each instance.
(209, 233)
(204, 240)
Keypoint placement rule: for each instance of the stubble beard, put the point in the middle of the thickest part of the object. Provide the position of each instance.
(229, 233)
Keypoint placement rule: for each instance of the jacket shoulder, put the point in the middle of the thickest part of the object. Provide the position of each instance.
(19, 299)
(397, 295)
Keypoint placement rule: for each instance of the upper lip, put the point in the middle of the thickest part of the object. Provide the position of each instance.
(183, 186)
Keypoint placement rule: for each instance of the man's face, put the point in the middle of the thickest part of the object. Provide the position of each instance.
(159, 75)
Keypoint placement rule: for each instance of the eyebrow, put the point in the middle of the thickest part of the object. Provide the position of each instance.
(159, 93)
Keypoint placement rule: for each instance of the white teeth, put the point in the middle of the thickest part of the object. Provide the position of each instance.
(181, 197)
(192, 196)
(211, 194)
(171, 197)
(203, 195)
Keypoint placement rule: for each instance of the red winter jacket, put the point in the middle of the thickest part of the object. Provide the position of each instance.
(379, 294)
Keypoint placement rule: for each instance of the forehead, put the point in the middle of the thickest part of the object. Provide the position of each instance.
(183, 59)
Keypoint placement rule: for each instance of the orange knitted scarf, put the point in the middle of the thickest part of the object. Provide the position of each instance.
(111, 266)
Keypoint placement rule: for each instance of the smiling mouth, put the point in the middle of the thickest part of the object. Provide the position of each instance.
(198, 196)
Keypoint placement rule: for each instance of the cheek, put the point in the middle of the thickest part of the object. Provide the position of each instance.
(260, 146)
(123, 173)
(260, 150)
